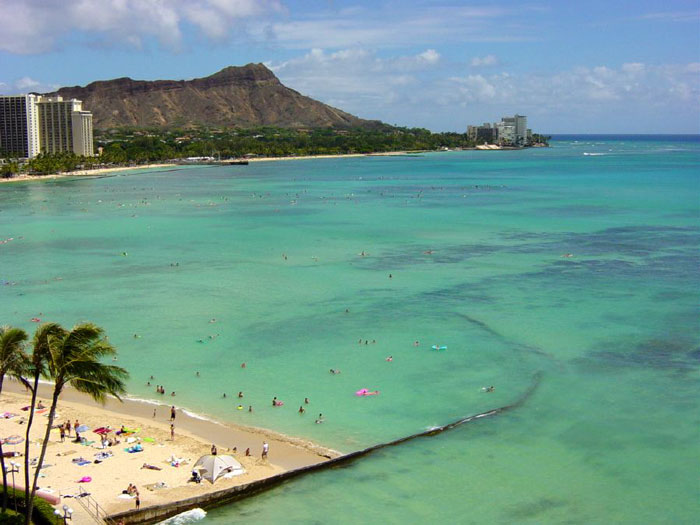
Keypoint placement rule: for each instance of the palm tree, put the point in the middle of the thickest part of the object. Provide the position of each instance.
(13, 360)
(45, 335)
(73, 358)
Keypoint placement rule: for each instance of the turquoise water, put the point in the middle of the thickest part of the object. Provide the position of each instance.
(610, 435)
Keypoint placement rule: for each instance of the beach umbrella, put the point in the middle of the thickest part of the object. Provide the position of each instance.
(210, 467)
(101, 431)
(12, 440)
(82, 428)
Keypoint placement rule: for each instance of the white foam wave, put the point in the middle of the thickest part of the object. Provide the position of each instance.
(593, 154)
(186, 517)
(194, 415)
(145, 401)
(188, 413)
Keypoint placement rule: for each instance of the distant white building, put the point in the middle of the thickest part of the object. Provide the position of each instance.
(33, 124)
(513, 131)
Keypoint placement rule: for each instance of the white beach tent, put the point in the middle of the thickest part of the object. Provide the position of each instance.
(212, 467)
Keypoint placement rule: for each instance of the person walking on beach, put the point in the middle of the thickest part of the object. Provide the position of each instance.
(265, 450)
(172, 432)
(62, 430)
(137, 501)
(213, 450)
(68, 427)
(172, 413)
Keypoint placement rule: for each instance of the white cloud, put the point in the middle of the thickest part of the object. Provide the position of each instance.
(411, 90)
(429, 56)
(488, 60)
(356, 80)
(37, 25)
(384, 26)
(26, 83)
(673, 16)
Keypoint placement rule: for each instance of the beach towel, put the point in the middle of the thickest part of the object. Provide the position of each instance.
(8, 415)
(126, 496)
(156, 486)
(135, 448)
(86, 443)
(149, 440)
(85, 479)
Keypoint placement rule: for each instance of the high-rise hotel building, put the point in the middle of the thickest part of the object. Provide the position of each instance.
(19, 126)
(33, 124)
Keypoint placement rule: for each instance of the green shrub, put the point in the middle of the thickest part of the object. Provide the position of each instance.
(43, 513)
(11, 518)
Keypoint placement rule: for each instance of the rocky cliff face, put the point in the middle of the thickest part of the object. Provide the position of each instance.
(235, 96)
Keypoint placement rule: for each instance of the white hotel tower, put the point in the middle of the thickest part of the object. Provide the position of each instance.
(33, 124)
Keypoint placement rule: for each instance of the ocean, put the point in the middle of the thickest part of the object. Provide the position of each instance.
(574, 267)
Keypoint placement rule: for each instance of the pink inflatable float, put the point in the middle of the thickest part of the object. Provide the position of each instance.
(366, 392)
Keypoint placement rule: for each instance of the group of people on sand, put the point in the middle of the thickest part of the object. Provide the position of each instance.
(65, 428)
(132, 490)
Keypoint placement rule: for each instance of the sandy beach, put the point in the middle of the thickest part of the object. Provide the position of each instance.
(104, 171)
(86, 173)
(194, 436)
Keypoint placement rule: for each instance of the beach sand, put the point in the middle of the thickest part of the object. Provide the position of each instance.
(104, 171)
(86, 173)
(193, 439)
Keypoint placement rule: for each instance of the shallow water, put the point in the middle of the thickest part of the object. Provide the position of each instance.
(612, 432)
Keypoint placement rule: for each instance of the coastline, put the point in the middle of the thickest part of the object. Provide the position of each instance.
(194, 436)
(104, 171)
(86, 173)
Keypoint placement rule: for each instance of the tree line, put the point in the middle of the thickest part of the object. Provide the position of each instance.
(132, 146)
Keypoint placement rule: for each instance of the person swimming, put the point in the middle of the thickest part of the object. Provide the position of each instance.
(390, 358)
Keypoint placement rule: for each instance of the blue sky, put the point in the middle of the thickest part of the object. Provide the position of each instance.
(570, 66)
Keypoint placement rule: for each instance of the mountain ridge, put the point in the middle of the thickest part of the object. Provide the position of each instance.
(236, 96)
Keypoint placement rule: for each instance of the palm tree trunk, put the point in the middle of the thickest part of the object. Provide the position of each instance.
(2, 462)
(32, 404)
(52, 413)
(4, 480)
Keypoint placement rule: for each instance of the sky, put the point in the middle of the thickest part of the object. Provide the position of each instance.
(571, 66)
